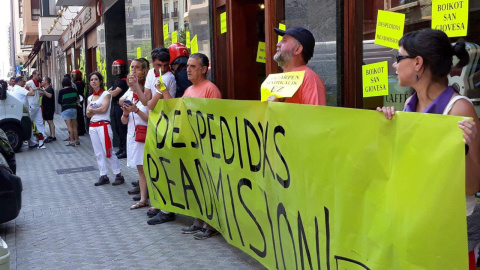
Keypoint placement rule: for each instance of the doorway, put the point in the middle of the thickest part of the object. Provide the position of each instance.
(237, 73)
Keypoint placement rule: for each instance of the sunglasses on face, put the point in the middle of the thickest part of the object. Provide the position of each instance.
(400, 57)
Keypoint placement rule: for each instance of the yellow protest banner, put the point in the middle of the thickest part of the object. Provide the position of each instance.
(450, 16)
(174, 37)
(223, 22)
(310, 187)
(194, 45)
(187, 37)
(283, 27)
(165, 31)
(261, 54)
(389, 28)
(139, 52)
(375, 79)
(282, 85)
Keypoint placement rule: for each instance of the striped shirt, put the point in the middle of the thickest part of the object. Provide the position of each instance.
(67, 97)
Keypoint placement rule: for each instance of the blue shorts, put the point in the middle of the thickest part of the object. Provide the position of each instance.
(69, 114)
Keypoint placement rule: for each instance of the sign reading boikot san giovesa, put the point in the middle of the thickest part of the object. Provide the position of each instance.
(310, 187)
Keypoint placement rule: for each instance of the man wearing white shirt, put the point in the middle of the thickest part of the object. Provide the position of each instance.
(34, 108)
(11, 83)
(161, 65)
(20, 93)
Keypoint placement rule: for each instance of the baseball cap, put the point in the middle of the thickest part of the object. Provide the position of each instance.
(303, 36)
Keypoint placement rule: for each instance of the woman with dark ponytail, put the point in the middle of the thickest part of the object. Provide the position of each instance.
(423, 62)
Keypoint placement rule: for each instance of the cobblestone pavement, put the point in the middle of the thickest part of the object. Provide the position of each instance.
(67, 223)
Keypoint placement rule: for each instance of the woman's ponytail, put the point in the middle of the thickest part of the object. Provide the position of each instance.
(461, 53)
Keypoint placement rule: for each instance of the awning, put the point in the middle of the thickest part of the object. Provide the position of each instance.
(36, 48)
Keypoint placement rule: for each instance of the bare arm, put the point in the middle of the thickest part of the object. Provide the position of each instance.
(104, 107)
(116, 92)
(46, 94)
(89, 110)
(472, 159)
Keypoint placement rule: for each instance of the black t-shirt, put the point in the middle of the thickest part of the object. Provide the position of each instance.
(80, 88)
(183, 83)
(122, 84)
(49, 103)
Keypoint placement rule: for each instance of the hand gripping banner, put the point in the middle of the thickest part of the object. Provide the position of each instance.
(311, 187)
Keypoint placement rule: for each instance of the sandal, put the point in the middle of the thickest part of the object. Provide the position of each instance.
(139, 205)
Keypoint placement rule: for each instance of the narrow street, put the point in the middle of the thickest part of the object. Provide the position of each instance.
(68, 223)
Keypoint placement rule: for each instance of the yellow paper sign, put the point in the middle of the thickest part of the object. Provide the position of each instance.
(275, 178)
(160, 85)
(375, 79)
(282, 85)
(165, 31)
(261, 52)
(450, 16)
(139, 52)
(174, 37)
(187, 37)
(283, 27)
(194, 45)
(389, 28)
(223, 22)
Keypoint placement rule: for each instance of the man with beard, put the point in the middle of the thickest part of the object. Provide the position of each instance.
(293, 53)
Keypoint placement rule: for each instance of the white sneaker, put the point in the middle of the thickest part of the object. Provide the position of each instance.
(41, 145)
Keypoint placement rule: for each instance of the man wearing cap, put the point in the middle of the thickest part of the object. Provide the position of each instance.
(293, 53)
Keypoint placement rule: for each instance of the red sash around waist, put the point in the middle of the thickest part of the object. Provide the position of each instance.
(108, 142)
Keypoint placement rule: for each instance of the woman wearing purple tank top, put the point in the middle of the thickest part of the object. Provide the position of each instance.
(423, 62)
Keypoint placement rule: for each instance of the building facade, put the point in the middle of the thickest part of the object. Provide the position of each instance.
(344, 33)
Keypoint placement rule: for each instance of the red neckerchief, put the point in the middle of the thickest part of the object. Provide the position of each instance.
(156, 73)
(135, 97)
(37, 84)
(98, 93)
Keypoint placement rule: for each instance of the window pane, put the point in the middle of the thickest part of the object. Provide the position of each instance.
(418, 16)
(138, 24)
(320, 17)
(192, 16)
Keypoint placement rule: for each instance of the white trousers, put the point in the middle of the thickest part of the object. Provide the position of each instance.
(97, 136)
(37, 117)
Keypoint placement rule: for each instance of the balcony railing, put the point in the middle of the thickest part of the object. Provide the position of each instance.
(174, 14)
(166, 15)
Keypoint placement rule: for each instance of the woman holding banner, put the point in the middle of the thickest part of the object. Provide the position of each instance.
(135, 114)
(423, 62)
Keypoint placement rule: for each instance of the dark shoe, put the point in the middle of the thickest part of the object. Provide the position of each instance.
(118, 180)
(136, 197)
(134, 183)
(204, 234)
(70, 144)
(103, 180)
(133, 191)
(77, 143)
(191, 230)
(48, 140)
(122, 155)
(161, 218)
(152, 212)
(33, 146)
(119, 152)
(53, 138)
(66, 140)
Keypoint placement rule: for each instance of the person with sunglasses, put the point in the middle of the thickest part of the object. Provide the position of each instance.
(424, 61)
